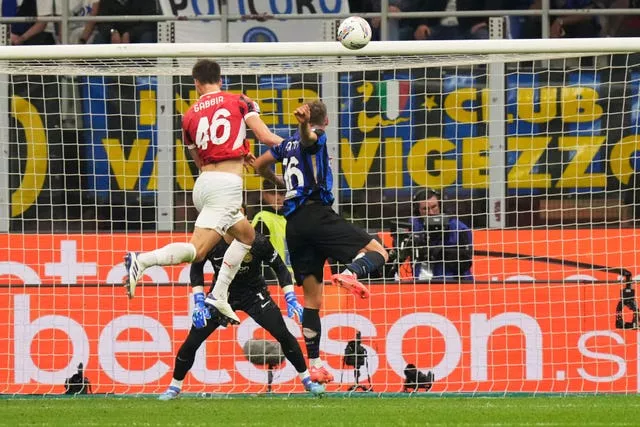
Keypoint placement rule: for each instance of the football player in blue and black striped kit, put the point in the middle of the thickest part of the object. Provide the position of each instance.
(314, 231)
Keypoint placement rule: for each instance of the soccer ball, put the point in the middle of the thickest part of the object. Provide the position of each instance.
(354, 33)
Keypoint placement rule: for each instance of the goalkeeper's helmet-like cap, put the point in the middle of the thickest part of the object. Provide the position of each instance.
(421, 195)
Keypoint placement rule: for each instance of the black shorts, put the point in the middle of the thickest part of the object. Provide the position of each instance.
(255, 303)
(315, 233)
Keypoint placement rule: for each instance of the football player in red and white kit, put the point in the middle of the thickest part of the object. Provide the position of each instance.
(214, 130)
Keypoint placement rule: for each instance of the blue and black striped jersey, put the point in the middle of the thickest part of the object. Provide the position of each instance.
(306, 171)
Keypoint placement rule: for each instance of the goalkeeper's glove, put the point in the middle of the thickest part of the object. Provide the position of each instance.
(293, 306)
(201, 312)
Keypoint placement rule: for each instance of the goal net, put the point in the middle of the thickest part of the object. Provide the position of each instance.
(522, 282)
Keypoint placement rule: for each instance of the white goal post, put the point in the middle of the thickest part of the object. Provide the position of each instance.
(538, 158)
(327, 49)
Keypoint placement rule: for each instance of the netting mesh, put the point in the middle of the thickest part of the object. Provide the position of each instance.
(96, 166)
(254, 65)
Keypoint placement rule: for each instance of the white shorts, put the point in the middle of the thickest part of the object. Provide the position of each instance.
(218, 198)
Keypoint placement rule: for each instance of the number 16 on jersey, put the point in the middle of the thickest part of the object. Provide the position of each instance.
(291, 170)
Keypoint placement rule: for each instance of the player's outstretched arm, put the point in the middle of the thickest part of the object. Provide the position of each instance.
(263, 166)
(275, 262)
(294, 308)
(262, 132)
(196, 273)
(279, 267)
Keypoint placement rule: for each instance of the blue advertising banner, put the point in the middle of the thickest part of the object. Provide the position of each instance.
(566, 133)
(122, 132)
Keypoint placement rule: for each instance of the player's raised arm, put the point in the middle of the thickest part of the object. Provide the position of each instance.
(262, 132)
(253, 120)
(307, 136)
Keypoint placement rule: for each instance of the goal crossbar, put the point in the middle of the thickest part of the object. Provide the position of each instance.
(307, 49)
(306, 57)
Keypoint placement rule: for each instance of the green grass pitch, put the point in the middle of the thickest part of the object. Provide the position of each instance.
(332, 410)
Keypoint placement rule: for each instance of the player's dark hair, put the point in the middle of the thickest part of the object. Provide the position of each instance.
(206, 71)
(318, 112)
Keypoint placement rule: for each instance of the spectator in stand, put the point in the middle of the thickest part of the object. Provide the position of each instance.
(76, 28)
(621, 26)
(37, 33)
(446, 28)
(516, 25)
(571, 26)
(43, 33)
(125, 31)
(372, 6)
